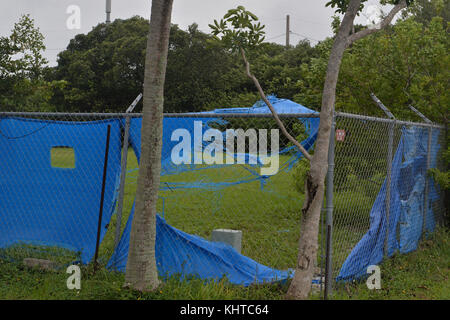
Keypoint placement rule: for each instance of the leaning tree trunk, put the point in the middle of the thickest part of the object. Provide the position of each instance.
(315, 181)
(141, 272)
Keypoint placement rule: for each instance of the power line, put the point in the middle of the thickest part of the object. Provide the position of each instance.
(278, 36)
(289, 32)
(309, 21)
(303, 36)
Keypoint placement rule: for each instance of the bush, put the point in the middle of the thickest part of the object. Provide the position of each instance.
(352, 208)
(299, 175)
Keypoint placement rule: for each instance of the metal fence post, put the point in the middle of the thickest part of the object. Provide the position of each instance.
(329, 209)
(427, 184)
(388, 185)
(102, 196)
(123, 170)
(322, 248)
(389, 168)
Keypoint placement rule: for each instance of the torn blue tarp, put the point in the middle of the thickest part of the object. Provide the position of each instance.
(44, 205)
(406, 213)
(183, 254)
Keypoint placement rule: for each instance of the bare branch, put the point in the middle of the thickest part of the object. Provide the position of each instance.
(383, 24)
(274, 113)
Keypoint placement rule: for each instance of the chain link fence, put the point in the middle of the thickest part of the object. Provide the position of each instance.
(381, 174)
(53, 179)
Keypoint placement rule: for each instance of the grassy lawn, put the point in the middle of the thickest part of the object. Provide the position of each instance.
(268, 218)
(423, 274)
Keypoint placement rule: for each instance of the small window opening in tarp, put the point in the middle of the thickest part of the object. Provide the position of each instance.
(62, 157)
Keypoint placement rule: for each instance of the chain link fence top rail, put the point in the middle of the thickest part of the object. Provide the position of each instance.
(50, 180)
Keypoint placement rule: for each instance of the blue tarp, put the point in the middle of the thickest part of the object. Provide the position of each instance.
(180, 253)
(183, 254)
(44, 205)
(169, 126)
(41, 204)
(406, 205)
(281, 106)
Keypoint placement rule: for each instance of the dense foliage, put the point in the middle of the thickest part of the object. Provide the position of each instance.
(22, 68)
(104, 70)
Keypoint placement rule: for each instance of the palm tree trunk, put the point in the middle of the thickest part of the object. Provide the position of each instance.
(141, 272)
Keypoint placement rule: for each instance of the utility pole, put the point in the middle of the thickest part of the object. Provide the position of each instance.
(288, 31)
(108, 11)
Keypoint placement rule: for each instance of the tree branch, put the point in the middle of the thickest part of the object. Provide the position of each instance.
(386, 21)
(274, 113)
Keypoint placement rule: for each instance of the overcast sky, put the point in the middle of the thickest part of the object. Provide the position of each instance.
(309, 18)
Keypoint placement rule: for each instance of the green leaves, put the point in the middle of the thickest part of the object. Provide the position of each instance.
(407, 63)
(22, 87)
(342, 5)
(26, 43)
(238, 29)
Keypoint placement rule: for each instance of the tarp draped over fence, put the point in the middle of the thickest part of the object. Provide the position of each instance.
(46, 205)
(184, 254)
(406, 214)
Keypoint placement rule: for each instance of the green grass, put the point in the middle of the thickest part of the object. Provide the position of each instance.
(269, 219)
(21, 282)
(62, 157)
(423, 274)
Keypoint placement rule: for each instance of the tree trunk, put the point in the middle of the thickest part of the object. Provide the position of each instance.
(141, 271)
(315, 182)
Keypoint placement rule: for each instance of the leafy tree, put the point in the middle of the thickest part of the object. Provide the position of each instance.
(313, 76)
(22, 87)
(404, 64)
(21, 54)
(104, 68)
(280, 70)
(308, 245)
(407, 64)
(244, 32)
(239, 31)
(198, 72)
(425, 10)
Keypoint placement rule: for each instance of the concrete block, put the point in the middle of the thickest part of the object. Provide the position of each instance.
(231, 237)
(42, 264)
